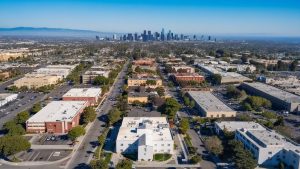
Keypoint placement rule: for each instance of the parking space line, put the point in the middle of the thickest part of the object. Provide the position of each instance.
(50, 156)
(30, 156)
(36, 156)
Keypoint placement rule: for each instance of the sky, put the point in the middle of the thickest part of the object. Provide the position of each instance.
(219, 17)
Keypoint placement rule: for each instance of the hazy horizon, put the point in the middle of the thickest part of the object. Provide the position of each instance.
(218, 17)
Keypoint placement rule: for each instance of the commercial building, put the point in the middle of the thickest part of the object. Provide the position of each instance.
(89, 76)
(37, 80)
(6, 98)
(183, 69)
(226, 77)
(91, 95)
(144, 62)
(269, 147)
(279, 98)
(144, 81)
(56, 117)
(51, 71)
(210, 106)
(188, 77)
(145, 136)
(232, 126)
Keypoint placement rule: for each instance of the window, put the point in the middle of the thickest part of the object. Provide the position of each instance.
(270, 152)
(121, 150)
(169, 145)
(121, 144)
(162, 144)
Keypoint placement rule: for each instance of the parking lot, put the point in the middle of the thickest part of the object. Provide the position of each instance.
(142, 112)
(48, 139)
(43, 155)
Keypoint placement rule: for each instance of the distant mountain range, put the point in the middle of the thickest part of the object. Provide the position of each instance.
(52, 32)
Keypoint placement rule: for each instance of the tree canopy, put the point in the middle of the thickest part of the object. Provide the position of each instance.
(10, 145)
(76, 132)
(114, 115)
(124, 164)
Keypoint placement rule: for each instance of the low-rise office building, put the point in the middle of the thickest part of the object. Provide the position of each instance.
(188, 77)
(91, 95)
(37, 80)
(209, 105)
(269, 147)
(144, 81)
(183, 69)
(279, 98)
(56, 117)
(6, 98)
(145, 136)
(89, 76)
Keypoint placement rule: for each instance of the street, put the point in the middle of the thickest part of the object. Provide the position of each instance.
(81, 157)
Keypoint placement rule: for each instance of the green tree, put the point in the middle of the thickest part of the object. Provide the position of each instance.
(257, 102)
(104, 89)
(192, 104)
(76, 132)
(243, 158)
(294, 65)
(150, 82)
(184, 125)
(88, 115)
(10, 145)
(22, 117)
(99, 164)
(124, 164)
(114, 115)
(216, 79)
(13, 129)
(101, 80)
(36, 108)
(160, 91)
(186, 100)
(170, 107)
(214, 145)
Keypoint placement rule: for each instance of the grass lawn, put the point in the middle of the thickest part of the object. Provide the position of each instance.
(162, 157)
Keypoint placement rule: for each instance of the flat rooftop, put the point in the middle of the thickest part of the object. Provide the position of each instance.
(208, 102)
(134, 127)
(58, 111)
(83, 92)
(235, 125)
(275, 92)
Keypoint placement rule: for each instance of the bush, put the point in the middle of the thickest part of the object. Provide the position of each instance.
(196, 159)
(124, 164)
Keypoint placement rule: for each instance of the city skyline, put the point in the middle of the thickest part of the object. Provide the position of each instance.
(251, 18)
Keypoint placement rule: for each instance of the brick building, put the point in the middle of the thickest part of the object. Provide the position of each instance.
(56, 117)
(188, 77)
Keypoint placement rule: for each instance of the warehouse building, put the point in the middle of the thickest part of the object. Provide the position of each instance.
(6, 98)
(145, 136)
(57, 117)
(37, 80)
(91, 95)
(210, 106)
(279, 98)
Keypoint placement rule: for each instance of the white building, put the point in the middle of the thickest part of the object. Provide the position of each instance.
(269, 147)
(7, 97)
(145, 136)
(232, 126)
